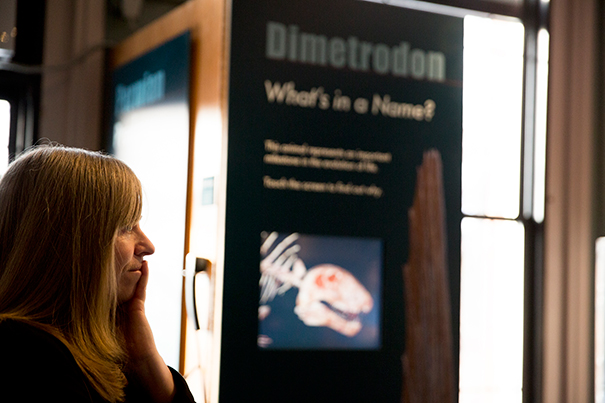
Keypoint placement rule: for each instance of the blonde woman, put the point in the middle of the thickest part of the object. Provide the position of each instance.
(72, 283)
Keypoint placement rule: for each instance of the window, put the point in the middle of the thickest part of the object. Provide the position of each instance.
(5, 115)
(492, 247)
(499, 201)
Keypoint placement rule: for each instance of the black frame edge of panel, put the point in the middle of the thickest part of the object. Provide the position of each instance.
(599, 152)
(491, 7)
(534, 17)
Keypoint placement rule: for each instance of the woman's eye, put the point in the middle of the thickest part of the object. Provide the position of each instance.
(127, 228)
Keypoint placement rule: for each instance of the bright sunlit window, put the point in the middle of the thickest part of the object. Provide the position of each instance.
(492, 247)
(492, 111)
(5, 115)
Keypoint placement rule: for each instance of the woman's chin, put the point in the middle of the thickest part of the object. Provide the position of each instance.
(128, 285)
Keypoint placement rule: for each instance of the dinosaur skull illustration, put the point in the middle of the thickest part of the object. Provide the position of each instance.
(331, 296)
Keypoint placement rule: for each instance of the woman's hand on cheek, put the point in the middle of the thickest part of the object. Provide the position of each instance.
(137, 332)
(145, 365)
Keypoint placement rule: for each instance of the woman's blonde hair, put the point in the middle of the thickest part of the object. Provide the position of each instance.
(60, 209)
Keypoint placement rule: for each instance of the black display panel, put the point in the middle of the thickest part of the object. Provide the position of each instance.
(332, 106)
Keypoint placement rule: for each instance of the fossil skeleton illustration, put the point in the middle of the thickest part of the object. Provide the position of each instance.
(328, 295)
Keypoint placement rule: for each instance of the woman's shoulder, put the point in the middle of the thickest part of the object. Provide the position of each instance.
(27, 344)
(20, 332)
(36, 364)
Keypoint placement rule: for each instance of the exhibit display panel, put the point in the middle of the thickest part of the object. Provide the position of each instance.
(340, 116)
(150, 132)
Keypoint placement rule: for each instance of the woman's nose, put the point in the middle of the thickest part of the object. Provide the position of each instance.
(145, 246)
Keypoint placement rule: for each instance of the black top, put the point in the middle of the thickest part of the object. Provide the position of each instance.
(36, 367)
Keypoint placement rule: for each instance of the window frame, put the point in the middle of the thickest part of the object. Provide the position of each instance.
(534, 15)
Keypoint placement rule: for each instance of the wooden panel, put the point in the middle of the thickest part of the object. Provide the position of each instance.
(209, 120)
(172, 24)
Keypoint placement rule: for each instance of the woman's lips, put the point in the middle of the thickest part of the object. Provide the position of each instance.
(139, 267)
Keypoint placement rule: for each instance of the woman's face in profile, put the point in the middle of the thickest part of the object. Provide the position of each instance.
(131, 246)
